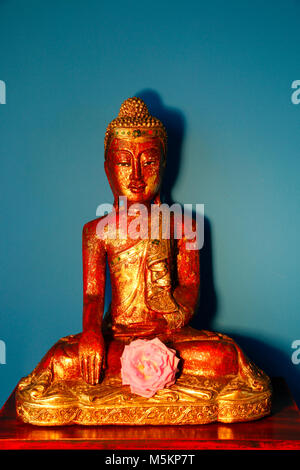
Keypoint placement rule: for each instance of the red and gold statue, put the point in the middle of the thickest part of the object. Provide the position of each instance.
(155, 287)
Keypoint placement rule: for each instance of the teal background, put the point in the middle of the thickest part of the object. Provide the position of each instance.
(220, 73)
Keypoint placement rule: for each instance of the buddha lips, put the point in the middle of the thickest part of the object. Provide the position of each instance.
(148, 366)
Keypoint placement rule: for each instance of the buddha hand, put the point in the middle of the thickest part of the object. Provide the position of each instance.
(91, 356)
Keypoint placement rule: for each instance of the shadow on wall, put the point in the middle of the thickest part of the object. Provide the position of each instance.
(174, 122)
(269, 358)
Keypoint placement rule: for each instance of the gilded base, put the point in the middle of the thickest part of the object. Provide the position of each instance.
(191, 400)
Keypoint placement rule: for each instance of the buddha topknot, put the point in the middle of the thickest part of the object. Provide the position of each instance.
(134, 120)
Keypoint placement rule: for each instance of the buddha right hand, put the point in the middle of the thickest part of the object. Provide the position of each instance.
(91, 356)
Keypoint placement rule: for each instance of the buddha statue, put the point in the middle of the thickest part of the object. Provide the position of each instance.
(155, 289)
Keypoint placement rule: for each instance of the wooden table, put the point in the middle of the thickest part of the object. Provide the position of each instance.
(279, 431)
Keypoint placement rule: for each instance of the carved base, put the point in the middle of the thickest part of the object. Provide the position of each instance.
(192, 400)
(157, 414)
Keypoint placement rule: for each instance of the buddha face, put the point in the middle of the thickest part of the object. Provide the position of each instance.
(134, 168)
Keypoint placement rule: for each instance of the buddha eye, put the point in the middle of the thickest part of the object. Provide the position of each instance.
(150, 157)
(122, 158)
(123, 164)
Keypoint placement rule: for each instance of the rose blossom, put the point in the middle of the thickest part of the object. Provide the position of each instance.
(148, 366)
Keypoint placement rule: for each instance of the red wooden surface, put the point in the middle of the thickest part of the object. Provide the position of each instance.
(279, 431)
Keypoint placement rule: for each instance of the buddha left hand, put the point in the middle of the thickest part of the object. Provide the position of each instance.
(175, 320)
(180, 317)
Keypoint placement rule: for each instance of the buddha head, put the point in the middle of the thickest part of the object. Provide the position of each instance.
(135, 153)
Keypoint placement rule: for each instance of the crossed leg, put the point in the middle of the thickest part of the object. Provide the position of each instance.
(202, 353)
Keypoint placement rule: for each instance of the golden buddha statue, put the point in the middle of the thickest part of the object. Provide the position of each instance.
(155, 288)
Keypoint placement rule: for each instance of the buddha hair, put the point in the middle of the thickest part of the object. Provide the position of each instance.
(134, 120)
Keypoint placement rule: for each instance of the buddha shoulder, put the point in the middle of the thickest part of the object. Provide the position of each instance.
(91, 236)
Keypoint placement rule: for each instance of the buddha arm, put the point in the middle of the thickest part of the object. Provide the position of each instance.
(186, 293)
(94, 264)
(91, 345)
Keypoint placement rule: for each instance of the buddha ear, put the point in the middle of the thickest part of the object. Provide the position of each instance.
(106, 168)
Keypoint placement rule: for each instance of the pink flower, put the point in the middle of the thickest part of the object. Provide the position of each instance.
(148, 366)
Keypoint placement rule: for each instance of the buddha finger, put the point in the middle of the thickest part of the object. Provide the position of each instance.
(92, 370)
(85, 369)
(97, 368)
(81, 364)
(88, 369)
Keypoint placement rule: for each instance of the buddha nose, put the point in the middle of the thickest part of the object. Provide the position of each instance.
(136, 174)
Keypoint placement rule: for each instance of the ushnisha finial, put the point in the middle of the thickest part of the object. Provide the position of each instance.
(134, 121)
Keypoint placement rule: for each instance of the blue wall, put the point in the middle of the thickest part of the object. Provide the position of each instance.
(219, 73)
